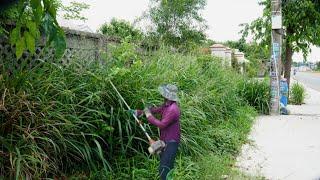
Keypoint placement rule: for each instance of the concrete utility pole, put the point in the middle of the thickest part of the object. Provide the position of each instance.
(275, 69)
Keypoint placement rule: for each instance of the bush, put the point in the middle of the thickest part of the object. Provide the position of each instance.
(318, 66)
(257, 94)
(60, 120)
(54, 120)
(297, 94)
(121, 29)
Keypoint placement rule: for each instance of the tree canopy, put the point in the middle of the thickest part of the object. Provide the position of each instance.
(31, 18)
(178, 22)
(301, 22)
(121, 29)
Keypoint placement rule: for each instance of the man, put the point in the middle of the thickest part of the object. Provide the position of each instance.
(169, 126)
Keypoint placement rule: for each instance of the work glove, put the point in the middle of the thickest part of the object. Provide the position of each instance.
(135, 112)
(147, 112)
(132, 112)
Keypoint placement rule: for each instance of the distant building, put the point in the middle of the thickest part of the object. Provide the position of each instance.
(240, 56)
(305, 66)
(219, 50)
(223, 52)
(241, 59)
(228, 56)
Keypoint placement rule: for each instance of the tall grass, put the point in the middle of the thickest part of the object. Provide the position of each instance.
(53, 121)
(214, 118)
(60, 120)
(297, 94)
(256, 93)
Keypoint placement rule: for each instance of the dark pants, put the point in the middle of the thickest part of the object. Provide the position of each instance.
(167, 158)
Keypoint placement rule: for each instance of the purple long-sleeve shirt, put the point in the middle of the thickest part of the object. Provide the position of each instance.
(169, 124)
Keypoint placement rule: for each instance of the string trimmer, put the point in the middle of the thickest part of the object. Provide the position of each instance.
(155, 146)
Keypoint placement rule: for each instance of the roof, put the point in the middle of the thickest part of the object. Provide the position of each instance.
(239, 54)
(217, 46)
(228, 50)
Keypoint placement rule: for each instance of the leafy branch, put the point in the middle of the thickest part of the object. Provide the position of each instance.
(32, 19)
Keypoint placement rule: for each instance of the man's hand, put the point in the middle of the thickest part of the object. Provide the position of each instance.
(147, 112)
(151, 141)
(140, 122)
(132, 112)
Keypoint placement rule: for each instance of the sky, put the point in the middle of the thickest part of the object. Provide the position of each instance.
(223, 17)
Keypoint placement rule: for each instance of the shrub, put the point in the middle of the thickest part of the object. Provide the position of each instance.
(59, 120)
(318, 66)
(121, 29)
(297, 94)
(256, 94)
(54, 120)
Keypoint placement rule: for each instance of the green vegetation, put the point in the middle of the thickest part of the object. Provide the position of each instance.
(318, 66)
(73, 10)
(178, 23)
(257, 94)
(121, 29)
(215, 121)
(300, 22)
(65, 120)
(297, 94)
(257, 55)
(55, 118)
(24, 21)
(29, 18)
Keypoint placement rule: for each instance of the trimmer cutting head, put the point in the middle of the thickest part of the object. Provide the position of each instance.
(156, 147)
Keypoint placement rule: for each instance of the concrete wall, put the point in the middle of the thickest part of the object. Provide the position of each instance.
(228, 56)
(80, 45)
(224, 52)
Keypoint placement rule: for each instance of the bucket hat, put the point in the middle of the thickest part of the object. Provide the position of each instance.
(169, 91)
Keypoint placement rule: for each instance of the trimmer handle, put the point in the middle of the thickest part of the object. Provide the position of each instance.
(151, 141)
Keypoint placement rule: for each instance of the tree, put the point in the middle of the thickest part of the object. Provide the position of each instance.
(318, 66)
(121, 29)
(73, 11)
(31, 18)
(178, 22)
(255, 53)
(301, 21)
(28, 17)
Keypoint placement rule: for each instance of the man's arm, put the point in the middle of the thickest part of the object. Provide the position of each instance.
(156, 109)
(152, 110)
(165, 121)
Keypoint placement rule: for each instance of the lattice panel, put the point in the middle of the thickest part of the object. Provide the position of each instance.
(79, 47)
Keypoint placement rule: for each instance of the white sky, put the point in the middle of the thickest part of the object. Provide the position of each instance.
(222, 16)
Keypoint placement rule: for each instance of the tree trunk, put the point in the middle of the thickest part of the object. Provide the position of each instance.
(288, 62)
(288, 56)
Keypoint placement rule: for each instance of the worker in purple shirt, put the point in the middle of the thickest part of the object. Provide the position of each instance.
(169, 126)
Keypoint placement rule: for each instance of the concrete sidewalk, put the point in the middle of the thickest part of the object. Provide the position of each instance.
(285, 147)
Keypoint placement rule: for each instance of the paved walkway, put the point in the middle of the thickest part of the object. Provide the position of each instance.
(286, 147)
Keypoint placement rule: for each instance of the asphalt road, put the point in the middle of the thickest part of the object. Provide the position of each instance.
(310, 79)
